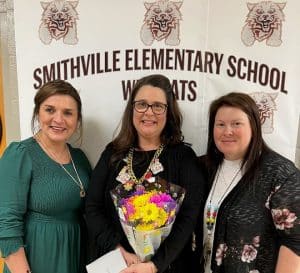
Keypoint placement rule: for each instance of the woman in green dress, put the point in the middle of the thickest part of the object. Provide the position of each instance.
(43, 180)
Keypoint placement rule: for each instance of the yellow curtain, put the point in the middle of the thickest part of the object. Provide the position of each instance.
(2, 136)
(2, 123)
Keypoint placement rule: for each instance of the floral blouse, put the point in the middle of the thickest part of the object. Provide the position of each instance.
(255, 220)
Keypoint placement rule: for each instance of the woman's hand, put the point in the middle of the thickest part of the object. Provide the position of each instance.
(17, 262)
(129, 258)
(147, 267)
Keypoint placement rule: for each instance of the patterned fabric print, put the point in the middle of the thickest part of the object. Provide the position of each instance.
(254, 218)
(246, 252)
(283, 218)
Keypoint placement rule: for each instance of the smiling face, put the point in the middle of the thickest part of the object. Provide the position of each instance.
(58, 118)
(149, 125)
(232, 132)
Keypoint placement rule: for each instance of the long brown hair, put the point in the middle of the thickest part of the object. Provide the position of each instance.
(171, 134)
(257, 147)
(51, 88)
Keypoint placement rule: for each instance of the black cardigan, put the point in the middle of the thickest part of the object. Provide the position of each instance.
(252, 225)
(180, 167)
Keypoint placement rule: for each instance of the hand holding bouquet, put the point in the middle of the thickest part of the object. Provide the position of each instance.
(147, 212)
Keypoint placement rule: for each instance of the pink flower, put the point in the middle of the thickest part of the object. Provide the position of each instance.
(161, 197)
(220, 253)
(249, 253)
(267, 204)
(128, 209)
(283, 218)
(256, 241)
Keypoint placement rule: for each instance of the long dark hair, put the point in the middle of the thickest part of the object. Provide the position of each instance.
(257, 147)
(171, 134)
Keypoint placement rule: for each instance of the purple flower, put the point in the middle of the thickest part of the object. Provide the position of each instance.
(170, 206)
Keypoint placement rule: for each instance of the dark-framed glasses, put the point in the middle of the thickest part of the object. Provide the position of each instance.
(157, 108)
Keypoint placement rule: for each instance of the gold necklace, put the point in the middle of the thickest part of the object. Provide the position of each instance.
(77, 182)
(152, 163)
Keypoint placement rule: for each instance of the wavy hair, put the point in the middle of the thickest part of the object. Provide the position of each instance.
(171, 134)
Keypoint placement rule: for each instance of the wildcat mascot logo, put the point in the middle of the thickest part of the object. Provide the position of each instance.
(266, 106)
(161, 22)
(264, 22)
(59, 22)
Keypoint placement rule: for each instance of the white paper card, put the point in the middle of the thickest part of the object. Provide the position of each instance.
(112, 262)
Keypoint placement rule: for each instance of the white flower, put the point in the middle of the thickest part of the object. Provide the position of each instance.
(283, 218)
(249, 254)
(220, 253)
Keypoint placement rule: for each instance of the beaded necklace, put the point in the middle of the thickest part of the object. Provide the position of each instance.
(212, 211)
(154, 167)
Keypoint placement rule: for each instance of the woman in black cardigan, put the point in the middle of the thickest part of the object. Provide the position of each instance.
(150, 134)
(252, 213)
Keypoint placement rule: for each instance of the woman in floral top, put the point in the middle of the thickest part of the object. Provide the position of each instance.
(252, 213)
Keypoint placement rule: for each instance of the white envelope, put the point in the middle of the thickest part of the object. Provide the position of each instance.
(112, 262)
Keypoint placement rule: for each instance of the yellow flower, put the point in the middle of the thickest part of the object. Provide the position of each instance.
(145, 227)
(149, 213)
(147, 249)
(141, 200)
(128, 185)
(162, 217)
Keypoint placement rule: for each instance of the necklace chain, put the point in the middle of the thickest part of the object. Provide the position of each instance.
(227, 188)
(211, 213)
(129, 164)
(77, 182)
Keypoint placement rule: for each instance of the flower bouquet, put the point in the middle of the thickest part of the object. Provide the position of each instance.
(147, 212)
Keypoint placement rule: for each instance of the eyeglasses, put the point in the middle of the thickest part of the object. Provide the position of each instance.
(157, 107)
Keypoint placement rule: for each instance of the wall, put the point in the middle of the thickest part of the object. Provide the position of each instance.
(9, 83)
(2, 121)
(8, 58)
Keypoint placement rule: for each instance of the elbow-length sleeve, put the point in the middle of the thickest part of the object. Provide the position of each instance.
(284, 205)
(102, 232)
(15, 177)
(184, 169)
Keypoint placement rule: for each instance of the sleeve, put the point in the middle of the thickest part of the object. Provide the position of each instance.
(15, 174)
(191, 178)
(101, 231)
(285, 207)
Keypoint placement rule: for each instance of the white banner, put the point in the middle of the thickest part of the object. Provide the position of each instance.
(207, 48)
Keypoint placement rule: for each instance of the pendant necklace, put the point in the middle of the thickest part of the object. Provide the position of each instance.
(77, 181)
(212, 211)
(154, 167)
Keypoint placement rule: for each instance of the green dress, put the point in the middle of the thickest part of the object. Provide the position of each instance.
(40, 207)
